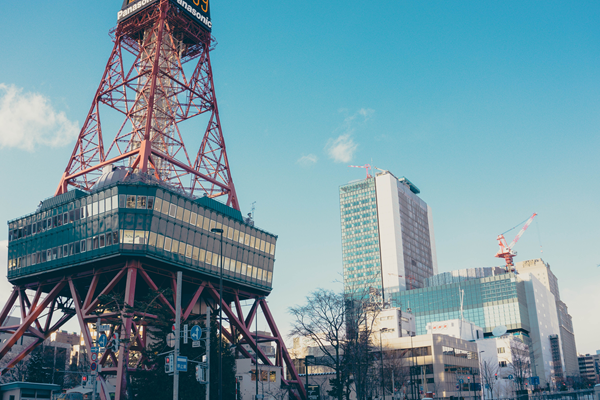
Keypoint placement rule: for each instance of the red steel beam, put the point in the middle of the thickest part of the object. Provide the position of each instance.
(9, 304)
(121, 390)
(26, 323)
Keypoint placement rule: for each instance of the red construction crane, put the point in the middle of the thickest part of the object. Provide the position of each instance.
(506, 251)
(366, 166)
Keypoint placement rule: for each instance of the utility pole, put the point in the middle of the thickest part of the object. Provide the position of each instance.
(208, 351)
(257, 372)
(177, 336)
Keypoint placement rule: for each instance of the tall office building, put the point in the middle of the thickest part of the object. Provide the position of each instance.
(388, 241)
(542, 272)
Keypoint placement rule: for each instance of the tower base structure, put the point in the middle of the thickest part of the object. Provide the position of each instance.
(126, 242)
(77, 295)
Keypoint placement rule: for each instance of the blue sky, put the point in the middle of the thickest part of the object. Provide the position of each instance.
(490, 108)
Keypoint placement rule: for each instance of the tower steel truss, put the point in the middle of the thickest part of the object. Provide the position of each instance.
(157, 78)
(149, 89)
(58, 300)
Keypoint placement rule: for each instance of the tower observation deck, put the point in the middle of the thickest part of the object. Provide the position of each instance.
(134, 209)
(75, 230)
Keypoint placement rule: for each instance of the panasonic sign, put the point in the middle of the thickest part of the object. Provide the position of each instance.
(199, 10)
(131, 7)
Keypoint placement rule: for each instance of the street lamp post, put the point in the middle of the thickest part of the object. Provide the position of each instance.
(220, 231)
(306, 359)
(381, 351)
(481, 379)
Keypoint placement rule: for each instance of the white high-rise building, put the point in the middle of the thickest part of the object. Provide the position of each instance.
(388, 241)
(541, 270)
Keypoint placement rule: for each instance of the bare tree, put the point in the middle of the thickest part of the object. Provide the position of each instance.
(18, 373)
(520, 364)
(341, 328)
(322, 320)
(489, 376)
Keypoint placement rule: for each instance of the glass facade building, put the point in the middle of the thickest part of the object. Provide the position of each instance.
(388, 241)
(127, 220)
(360, 237)
(488, 302)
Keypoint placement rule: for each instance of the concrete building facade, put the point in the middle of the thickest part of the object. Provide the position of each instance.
(434, 363)
(504, 360)
(588, 368)
(544, 274)
(388, 241)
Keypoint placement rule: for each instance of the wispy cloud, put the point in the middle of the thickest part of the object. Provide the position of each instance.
(28, 120)
(342, 148)
(307, 160)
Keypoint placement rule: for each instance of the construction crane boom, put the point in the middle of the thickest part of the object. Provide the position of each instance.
(367, 167)
(506, 250)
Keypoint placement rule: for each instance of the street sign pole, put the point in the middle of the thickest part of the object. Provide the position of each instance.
(177, 337)
(207, 351)
(95, 377)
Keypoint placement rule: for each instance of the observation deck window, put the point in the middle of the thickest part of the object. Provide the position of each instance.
(130, 202)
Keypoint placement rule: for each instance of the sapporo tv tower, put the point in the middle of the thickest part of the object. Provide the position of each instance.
(134, 207)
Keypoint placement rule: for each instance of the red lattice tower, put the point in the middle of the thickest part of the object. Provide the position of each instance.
(149, 89)
(158, 78)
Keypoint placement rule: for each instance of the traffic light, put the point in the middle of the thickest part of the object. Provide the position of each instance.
(496, 376)
(169, 364)
(115, 342)
(84, 380)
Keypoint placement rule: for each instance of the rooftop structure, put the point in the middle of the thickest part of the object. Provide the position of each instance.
(460, 275)
(458, 328)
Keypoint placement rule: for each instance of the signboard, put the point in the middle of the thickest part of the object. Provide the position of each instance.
(196, 333)
(182, 364)
(196, 343)
(313, 392)
(102, 340)
(534, 380)
(185, 334)
(102, 328)
(198, 9)
(171, 340)
(132, 7)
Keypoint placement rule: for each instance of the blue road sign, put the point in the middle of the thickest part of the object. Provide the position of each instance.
(534, 380)
(461, 381)
(102, 340)
(196, 333)
(182, 364)
(511, 377)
